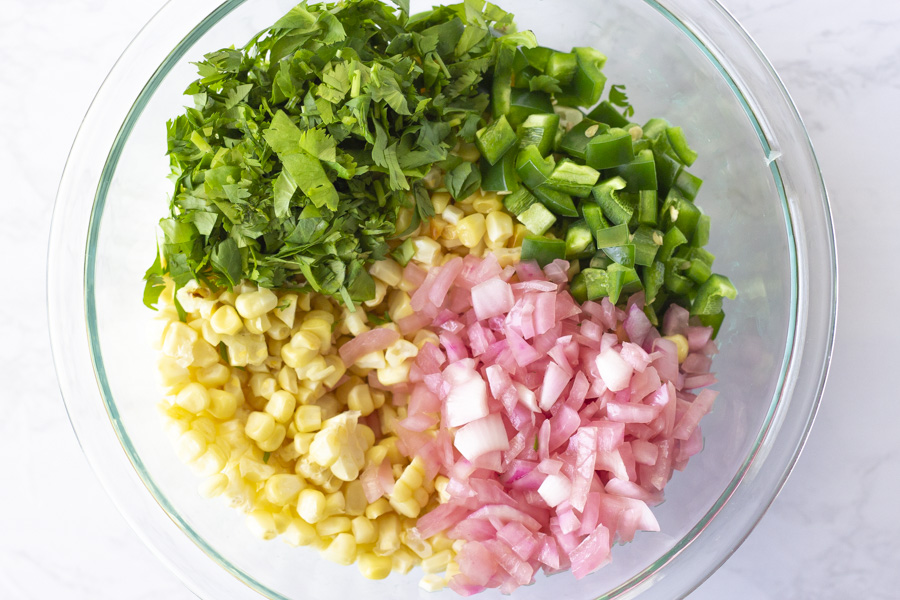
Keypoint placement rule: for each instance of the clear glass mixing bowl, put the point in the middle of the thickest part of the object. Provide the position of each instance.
(686, 60)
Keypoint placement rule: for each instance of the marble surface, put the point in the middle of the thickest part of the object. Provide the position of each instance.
(831, 534)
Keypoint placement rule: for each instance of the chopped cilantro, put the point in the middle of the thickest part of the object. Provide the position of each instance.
(303, 145)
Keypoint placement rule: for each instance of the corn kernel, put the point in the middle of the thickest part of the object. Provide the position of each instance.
(255, 304)
(321, 327)
(372, 360)
(399, 306)
(213, 375)
(452, 214)
(407, 508)
(380, 291)
(378, 508)
(282, 489)
(226, 321)
(423, 336)
(178, 342)
(246, 348)
(308, 418)
(404, 219)
(374, 567)
(471, 230)
(299, 533)
(281, 405)
(427, 251)
(193, 397)
(360, 399)
(287, 379)
(262, 524)
(191, 446)
(488, 203)
(254, 470)
(403, 561)
(278, 331)
(681, 344)
(436, 563)
(393, 375)
(519, 233)
(440, 201)
(333, 525)
(508, 256)
(363, 530)
(433, 582)
(342, 550)
(260, 324)
(302, 442)
(367, 434)
(274, 441)
(354, 323)
(210, 462)
(354, 498)
(330, 406)
(260, 426)
(263, 385)
(440, 486)
(388, 535)
(388, 270)
(400, 351)
(286, 309)
(311, 505)
(499, 227)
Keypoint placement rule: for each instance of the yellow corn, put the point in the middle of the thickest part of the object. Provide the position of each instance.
(427, 251)
(354, 323)
(255, 304)
(399, 351)
(681, 344)
(282, 489)
(287, 379)
(273, 442)
(399, 306)
(452, 215)
(299, 533)
(423, 336)
(360, 399)
(388, 535)
(260, 426)
(440, 486)
(508, 256)
(191, 445)
(213, 375)
(341, 550)
(440, 201)
(394, 375)
(334, 370)
(281, 405)
(378, 508)
(286, 309)
(487, 204)
(519, 233)
(404, 561)
(262, 524)
(311, 505)
(380, 291)
(364, 530)
(372, 360)
(333, 525)
(253, 469)
(308, 418)
(302, 442)
(471, 230)
(373, 566)
(204, 354)
(211, 462)
(388, 270)
(263, 385)
(433, 582)
(499, 227)
(260, 324)
(436, 563)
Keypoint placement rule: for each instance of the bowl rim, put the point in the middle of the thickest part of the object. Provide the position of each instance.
(73, 384)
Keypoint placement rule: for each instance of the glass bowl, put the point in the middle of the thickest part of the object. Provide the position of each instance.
(685, 60)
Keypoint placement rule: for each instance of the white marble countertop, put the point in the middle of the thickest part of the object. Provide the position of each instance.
(833, 531)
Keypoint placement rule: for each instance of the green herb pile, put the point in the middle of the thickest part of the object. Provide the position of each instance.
(304, 144)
